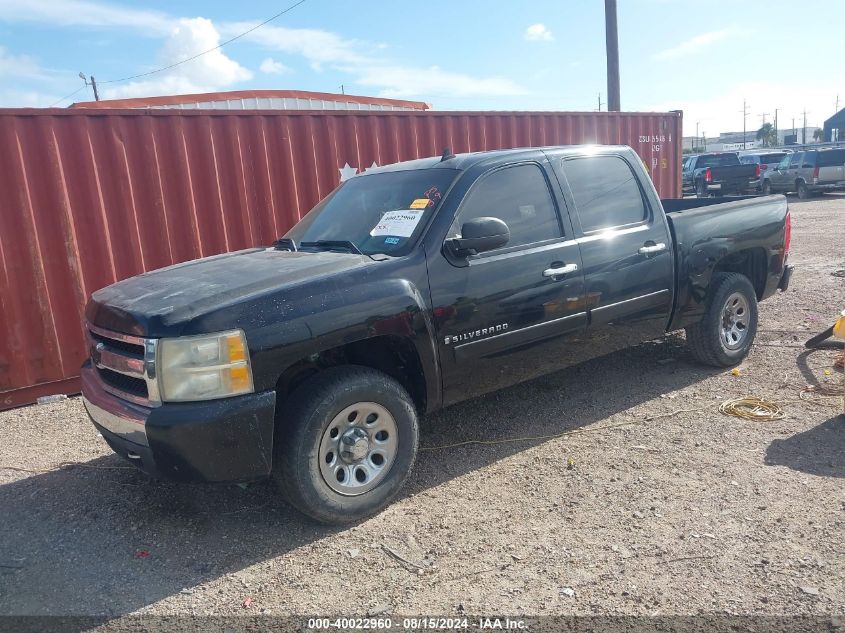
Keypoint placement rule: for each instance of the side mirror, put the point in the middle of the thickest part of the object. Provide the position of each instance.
(479, 235)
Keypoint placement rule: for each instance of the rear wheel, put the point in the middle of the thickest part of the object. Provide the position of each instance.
(767, 188)
(345, 444)
(803, 190)
(726, 332)
(701, 190)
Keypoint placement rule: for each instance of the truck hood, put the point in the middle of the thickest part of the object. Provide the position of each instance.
(163, 300)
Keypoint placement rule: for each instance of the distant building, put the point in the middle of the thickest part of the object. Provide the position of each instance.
(834, 127)
(733, 141)
(259, 100)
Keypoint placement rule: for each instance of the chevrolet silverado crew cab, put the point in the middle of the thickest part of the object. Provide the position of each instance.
(409, 288)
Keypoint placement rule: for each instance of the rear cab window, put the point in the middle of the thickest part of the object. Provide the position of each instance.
(772, 159)
(606, 192)
(518, 195)
(717, 160)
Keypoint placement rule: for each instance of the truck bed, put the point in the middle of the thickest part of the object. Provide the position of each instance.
(706, 230)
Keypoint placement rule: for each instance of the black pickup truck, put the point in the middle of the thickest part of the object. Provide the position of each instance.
(719, 174)
(409, 288)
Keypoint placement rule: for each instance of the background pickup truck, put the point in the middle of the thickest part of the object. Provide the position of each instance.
(719, 174)
(409, 288)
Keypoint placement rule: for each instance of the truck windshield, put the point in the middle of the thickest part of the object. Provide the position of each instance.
(378, 213)
(717, 160)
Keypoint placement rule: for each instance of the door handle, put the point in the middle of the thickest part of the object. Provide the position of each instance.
(648, 249)
(560, 270)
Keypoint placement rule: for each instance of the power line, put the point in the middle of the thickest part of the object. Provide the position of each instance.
(210, 50)
(68, 96)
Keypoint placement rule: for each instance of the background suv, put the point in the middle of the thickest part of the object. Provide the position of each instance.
(807, 173)
(766, 160)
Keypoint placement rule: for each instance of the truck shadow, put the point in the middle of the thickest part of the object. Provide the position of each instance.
(102, 539)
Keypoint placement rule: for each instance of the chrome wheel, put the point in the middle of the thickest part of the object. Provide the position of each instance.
(358, 448)
(735, 321)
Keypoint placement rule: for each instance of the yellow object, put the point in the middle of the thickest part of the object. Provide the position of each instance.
(735, 371)
(827, 372)
(839, 327)
(420, 203)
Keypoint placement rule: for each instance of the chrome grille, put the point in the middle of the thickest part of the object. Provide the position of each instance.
(125, 364)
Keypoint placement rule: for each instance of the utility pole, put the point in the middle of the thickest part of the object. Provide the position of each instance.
(612, 44)
(777, 142)
(695, 142)
(342, 90)
(92, 83)
(704, 138)
(744, 117)
(804, 129)
(764, 115)
(600, 103)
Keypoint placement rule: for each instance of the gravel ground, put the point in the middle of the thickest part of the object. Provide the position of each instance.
(664, 512)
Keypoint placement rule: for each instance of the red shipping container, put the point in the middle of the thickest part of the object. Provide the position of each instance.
(89, 197)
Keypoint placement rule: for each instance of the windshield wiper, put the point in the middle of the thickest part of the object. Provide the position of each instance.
(331, 244)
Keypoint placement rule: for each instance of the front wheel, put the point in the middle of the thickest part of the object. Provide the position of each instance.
(725, 333)
(803, 190)
(346, 441)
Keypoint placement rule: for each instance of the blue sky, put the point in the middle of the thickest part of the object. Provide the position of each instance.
(703, 59)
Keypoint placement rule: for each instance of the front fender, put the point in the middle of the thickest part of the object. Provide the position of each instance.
(346, 314)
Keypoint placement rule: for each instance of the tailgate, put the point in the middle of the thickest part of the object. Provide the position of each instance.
(737, 176)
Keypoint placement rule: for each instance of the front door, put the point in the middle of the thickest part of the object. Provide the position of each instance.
(503, 316)
(626, 250)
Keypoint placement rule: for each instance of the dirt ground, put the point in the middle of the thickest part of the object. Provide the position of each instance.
(656, 504)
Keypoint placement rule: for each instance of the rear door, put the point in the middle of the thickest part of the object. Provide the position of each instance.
(504, 316)
(626, 250)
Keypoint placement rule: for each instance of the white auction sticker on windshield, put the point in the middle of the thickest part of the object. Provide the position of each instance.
(400, 223)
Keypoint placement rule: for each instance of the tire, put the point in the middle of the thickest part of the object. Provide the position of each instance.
(731, 300)
(766, 189)
(701, 190)
(803, 191)
(311, 426)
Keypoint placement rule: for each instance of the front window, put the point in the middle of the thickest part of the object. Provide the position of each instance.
(377, 213)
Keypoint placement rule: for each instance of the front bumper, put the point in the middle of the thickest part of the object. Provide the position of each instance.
(230, 439)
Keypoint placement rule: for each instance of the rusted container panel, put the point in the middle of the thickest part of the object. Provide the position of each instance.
(89, 197)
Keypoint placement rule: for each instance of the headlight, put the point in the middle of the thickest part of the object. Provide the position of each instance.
(204, 367)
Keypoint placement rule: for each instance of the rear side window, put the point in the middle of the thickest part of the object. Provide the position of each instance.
(520, 197)
(809, 159)
(796, 159)
(606, 192)
(834, 157)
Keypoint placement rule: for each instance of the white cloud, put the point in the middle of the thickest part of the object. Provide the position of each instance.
(19, 66)
(315, 45)
(399, 81)
(271, 67)
(695, 44)
(210, 72)
(538, 32)
(363, 61)
(85, 13)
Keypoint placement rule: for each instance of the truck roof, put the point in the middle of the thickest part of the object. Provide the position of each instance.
(470, 159)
